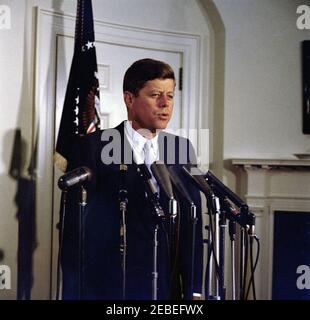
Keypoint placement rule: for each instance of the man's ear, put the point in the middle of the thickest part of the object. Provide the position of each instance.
(128, 98)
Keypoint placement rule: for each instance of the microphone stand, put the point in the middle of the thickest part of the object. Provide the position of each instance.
(216, 245)
(162, 176)
(61, 234)
(213, 207)
(223, 225)
(173, 204)
(194, 218)
(217, 211)
(159, 216)
(81, 242)
(123, 208)
(242, 263)
(232, 235)
(234, 216)
(208, 279)
(155, 272)
(244, 218)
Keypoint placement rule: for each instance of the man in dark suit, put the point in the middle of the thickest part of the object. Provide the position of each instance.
(148, 94)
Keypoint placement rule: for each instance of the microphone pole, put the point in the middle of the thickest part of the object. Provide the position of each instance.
(217, 213)
(61, 235)
(74, 177)
(245, 218)
(193, 214)
(162, 176)
(232, 214)
(232, 234)
(123, 201)
(81, 245)
(218, 239)
(159, 214)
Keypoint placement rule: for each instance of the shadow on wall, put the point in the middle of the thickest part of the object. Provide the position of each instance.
(25, 202)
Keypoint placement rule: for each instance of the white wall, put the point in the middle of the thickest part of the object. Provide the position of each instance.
(263, 94)
(15, 113)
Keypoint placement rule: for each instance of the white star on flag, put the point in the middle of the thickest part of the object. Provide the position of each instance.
(89, 45)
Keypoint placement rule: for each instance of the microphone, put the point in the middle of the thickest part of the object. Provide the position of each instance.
(247, 218)
(151, 189)
(74, 177)
(179, 184)
(146, 176)
(197, 177)
(162, 176)
(223, 190)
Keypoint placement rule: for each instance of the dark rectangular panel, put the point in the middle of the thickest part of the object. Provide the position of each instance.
(291, 256)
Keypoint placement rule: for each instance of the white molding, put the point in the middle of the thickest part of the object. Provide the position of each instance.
(281, 196)
(270, 163)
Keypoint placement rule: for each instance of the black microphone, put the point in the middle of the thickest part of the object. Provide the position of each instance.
(146, 176)
(151, 189)
(179, 184)
(162, 176)
(182, 189)
(246, 217)
(74, 177)
(197, 177)
(219, 186)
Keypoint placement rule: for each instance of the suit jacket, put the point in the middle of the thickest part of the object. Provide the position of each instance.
(102, 152)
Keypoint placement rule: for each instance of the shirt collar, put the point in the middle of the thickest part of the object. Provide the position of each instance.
(136, 140)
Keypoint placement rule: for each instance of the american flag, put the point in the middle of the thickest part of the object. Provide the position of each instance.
(80, 110)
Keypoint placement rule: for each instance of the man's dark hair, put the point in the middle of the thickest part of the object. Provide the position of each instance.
(144, 70)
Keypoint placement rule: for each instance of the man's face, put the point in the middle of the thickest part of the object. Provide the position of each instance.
(152, 108)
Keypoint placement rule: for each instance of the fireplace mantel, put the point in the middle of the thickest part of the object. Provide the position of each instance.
(271, 163)
(269, 186)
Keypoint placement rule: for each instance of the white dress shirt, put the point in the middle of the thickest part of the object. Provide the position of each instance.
(137, 143)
